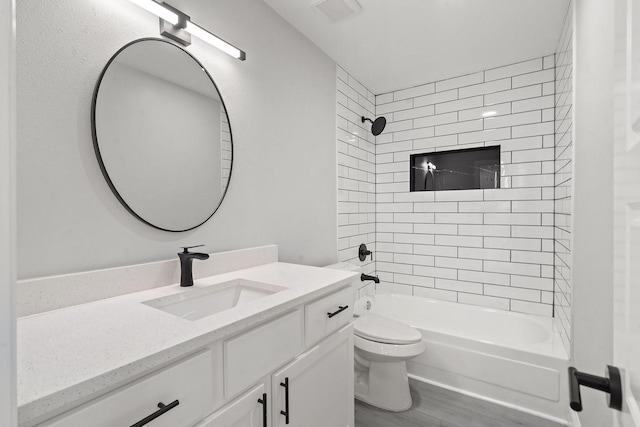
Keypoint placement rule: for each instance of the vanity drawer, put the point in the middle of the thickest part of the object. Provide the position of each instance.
(328, 314)
(189, 382)
(253, 354)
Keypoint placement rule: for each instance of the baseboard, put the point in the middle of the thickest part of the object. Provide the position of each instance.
(497, 402)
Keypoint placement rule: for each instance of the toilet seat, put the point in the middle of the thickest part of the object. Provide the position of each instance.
(380, 352)
(384, 330)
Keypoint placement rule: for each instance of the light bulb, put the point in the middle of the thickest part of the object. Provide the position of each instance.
(206, 36)
(158, 10)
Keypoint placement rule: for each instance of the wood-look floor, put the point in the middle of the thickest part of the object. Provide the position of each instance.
(437, 407)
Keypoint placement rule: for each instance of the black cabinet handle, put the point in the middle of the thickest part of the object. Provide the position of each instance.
(341, 308)
(263, 401)
(163, 408)
(610, 384)
(285, 384)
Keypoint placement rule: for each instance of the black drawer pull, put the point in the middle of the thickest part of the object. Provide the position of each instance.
(163, 408)
(341, 308)
(285, 384)
(263, 401)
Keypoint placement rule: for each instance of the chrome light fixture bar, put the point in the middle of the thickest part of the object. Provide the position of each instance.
(178, 27)
(158, 10)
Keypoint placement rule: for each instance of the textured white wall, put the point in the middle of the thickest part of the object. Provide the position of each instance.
(281, 103)
(7, 216)
(593, 200)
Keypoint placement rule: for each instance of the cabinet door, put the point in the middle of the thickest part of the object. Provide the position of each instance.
(249, 410)
(320, 386)
(184, 390)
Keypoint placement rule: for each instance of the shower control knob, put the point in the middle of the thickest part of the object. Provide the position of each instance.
(363, 252)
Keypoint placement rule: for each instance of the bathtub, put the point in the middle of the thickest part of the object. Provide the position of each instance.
(512, 359)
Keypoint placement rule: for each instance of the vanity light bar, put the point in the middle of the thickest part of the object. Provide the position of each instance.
(182, 23)
(214, 40)
(158, 10)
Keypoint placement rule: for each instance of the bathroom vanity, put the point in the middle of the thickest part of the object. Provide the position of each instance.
(278, 352)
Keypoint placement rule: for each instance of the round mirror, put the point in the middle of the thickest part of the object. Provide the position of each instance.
(161, 135)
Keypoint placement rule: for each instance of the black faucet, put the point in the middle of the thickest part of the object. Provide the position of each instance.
(364, 277)
(186, 258)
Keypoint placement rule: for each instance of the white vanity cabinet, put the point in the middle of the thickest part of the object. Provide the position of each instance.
(299, 363)
(327, 314)
(316, 389)
(251, 355)
(249, 410)
(185, 390)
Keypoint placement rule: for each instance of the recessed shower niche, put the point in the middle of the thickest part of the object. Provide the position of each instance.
(473, 168)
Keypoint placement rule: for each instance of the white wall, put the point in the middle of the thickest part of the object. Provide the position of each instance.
(492, 248)
(281, 104)
(7, 216)
(593, 213)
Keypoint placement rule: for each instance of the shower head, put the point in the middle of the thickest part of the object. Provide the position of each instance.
(377, 125)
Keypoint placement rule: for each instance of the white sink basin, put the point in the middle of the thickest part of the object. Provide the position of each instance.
(195, 304)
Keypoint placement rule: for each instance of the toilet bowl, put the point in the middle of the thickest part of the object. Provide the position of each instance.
(382, 347)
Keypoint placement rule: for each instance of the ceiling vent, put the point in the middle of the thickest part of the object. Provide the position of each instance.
(337, 10)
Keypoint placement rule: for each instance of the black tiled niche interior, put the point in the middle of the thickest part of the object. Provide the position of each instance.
(473, 168)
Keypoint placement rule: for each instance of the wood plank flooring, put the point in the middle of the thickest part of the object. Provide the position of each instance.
(437, 407)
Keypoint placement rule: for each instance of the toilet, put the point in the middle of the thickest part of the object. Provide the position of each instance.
(382, 347)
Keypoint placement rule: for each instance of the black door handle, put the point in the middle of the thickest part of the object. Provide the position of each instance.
(285, 384)
(163, 409)
(263, 401)
(610, 384)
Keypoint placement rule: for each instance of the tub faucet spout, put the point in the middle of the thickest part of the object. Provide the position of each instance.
(186, 258)
(364, 277)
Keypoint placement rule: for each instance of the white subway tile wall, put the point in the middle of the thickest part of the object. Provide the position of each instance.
(492, 248)
(564, 179)
(356, 174)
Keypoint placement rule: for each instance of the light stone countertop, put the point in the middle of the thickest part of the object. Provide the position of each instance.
(72, 355)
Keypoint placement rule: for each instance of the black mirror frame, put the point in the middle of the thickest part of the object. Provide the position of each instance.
(96, 147)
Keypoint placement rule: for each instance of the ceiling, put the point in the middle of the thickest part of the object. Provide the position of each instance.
(396, 44)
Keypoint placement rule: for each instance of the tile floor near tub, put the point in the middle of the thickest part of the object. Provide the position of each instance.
(436, 407)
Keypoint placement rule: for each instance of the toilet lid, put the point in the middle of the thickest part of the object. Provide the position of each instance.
(384, 330)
